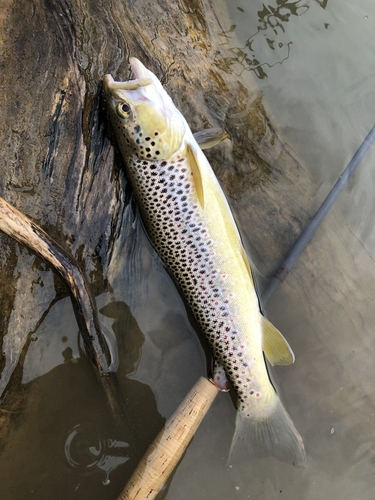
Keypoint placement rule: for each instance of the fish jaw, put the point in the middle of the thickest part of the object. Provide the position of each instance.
(155, 92)
(143, 116)
(139, 70)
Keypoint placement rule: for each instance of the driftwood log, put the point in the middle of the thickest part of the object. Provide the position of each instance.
(59, 168)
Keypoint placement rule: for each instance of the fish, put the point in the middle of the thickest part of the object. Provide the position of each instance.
(191, 227)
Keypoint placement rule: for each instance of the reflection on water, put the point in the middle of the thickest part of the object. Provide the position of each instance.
(33, 285)
(129, 345)
(55, 342)
(106, 454)
(63, 429)
(270, 33)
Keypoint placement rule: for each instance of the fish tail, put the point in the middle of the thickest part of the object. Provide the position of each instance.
(272, 433)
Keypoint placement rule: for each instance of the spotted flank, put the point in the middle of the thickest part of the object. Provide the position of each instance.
(192, 229)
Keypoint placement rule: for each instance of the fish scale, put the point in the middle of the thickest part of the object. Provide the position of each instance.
(192, 229)
(179, 234)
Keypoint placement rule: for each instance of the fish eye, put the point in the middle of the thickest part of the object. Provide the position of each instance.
(123, 110)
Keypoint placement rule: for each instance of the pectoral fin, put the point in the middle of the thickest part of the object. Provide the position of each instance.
(197, 177)
(275, 347)
(209, 137)
(246, 262)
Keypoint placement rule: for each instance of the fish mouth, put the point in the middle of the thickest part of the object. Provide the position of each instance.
(107, 81)
(139, 71)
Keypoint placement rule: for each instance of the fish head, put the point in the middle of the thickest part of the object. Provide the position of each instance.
(143, 116)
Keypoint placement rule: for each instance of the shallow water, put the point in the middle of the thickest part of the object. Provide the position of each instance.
(316, 72)
(319, 88)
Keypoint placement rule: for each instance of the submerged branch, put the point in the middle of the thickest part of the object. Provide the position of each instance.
(22, 229)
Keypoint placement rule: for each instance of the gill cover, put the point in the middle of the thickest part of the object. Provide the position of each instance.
(142, 112)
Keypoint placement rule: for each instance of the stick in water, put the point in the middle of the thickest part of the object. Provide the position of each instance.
(167, 449)
(22, 229)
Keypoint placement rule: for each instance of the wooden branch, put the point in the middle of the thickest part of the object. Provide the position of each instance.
(22, 229)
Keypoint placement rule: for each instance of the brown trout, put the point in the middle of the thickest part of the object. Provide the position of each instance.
(192, 228)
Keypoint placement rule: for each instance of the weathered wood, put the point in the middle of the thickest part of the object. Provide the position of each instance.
(25, 232)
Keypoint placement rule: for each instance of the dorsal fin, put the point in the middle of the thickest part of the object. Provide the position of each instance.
(197, 177)
(275, 347)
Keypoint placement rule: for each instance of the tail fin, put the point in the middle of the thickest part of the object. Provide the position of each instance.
(271, 435)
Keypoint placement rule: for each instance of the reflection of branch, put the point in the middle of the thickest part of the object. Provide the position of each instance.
(22, 229)
(247, 64)
(272, 18)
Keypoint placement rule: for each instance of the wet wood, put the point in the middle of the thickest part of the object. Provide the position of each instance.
(166, 451)
(24, 231)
